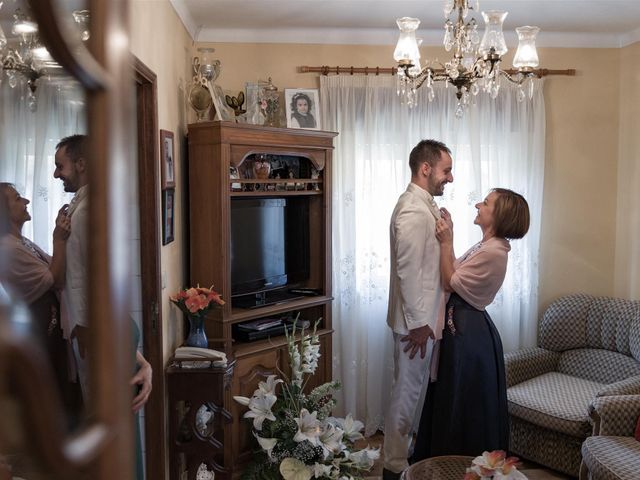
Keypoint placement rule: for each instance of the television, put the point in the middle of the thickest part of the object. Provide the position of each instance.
(269, 248)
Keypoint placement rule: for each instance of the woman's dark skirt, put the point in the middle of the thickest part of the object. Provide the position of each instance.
(465, 410)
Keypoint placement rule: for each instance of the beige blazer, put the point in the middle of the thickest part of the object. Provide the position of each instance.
(415, 291)
(74, 295)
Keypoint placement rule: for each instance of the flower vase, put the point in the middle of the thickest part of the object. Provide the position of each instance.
(197, 337)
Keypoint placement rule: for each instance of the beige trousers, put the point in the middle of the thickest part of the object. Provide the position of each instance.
(407, 395)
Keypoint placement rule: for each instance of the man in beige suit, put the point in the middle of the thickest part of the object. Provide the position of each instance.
(416, 299)
(71, 169)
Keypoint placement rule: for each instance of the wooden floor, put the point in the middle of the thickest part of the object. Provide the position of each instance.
(534, 471)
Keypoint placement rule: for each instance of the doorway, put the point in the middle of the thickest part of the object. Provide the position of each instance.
(148, 186)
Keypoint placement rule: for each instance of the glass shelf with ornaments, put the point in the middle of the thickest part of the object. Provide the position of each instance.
(277, 175)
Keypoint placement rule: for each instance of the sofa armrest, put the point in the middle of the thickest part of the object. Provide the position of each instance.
(628, 386)
(615, 415)
(525, 364)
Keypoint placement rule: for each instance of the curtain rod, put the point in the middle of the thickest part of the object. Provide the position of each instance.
(326, 70)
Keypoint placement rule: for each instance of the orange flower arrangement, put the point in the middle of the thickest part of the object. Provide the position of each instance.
(197, 301)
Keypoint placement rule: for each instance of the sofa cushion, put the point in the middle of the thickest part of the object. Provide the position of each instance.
(597, 365)
(556, 401)
(609, 321)
(564, 323)
(616, 458)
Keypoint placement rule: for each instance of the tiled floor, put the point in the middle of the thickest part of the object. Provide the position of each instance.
(533, 471)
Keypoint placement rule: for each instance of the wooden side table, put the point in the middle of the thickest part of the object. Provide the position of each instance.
(199, 425)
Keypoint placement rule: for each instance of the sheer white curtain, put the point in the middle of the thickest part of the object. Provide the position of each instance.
(27, 147)
(496, 144)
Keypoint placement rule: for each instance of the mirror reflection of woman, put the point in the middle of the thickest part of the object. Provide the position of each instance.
(36, 278)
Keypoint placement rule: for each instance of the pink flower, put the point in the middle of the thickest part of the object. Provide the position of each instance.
(196, 303)
(510, 464)
(494, 465)
(197, 300)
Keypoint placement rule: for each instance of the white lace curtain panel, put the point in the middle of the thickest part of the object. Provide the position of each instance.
(27, 147)
(497, 143)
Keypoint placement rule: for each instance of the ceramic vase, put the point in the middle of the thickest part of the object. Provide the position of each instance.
(197, 337)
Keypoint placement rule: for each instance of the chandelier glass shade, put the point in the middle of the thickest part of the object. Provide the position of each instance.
(24, 59)
(476, 63)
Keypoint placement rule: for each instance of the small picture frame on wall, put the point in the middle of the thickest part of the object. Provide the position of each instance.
(167, 156)
(168, 214)
(302, 108)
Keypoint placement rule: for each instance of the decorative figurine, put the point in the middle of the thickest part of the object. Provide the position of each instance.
(236, 103)
(315, 175)
(291, 185)
(233, 173)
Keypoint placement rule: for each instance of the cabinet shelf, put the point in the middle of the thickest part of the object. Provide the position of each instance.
(281, 181)
(242, 349)
(243, 314)
(281, 193)
(273, 187)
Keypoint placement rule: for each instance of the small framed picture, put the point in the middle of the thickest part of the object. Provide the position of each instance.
(167, 215)
(302, 108)
(168, 159)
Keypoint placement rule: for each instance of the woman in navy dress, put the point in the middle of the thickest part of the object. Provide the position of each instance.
(465, 410)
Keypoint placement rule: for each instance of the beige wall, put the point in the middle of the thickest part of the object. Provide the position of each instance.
(579, 223)
(627, 279)
(583, 112)
(160, 41)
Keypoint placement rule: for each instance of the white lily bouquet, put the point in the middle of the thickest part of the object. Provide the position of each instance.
(298, 437)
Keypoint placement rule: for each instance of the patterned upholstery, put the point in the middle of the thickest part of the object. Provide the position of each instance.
(612, 458)
(588, 347)
(528, 363)
(613, 452)
(628, 386)
(450, 467)
(598, 365)
(555, 401)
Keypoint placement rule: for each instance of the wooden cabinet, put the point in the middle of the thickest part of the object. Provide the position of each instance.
(199, 425)
(225, 166)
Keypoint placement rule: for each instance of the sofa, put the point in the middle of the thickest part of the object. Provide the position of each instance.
(612, 453)
(588, 347)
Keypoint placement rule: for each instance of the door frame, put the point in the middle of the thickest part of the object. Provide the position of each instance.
(148, 188)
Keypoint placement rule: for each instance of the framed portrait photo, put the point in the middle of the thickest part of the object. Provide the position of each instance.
(168, 214)
(302, 108)
(167, 156)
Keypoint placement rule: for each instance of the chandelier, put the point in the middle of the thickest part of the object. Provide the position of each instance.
(475, 65)
(23, 59)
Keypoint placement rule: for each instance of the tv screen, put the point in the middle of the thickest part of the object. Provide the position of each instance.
(269, 243)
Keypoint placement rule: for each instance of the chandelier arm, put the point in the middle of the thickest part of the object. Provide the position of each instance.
(518, 77)
(424, 78)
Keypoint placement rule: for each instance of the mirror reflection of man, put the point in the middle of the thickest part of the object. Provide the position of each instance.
(71, 169)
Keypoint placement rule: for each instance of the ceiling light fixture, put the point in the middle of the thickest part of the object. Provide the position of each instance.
(475, 64)
(24, 59)
(17, 54)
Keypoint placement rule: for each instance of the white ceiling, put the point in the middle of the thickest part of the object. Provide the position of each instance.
(564, 23)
